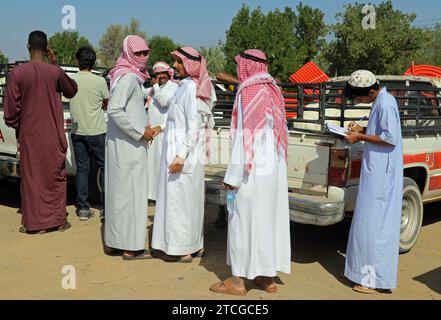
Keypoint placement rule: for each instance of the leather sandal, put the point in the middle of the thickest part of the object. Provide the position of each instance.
(227, 287)
(177, 259)
(269, 288)
(364, 290)
(200, 254)
(23, 229)
(144, 255)
(67, 225)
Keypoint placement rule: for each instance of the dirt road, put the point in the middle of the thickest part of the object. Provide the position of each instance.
(31, 266)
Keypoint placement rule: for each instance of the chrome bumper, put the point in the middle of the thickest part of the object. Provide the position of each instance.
(304, 209)
(215, 194)
(9, 167)
(318, 213)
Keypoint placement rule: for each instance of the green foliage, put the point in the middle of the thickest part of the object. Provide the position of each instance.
(288, 38)
(216, 60)
(388, 49)
(161, 47)
(3, 58)
(66, 44)
(111, 43)
(431, 52)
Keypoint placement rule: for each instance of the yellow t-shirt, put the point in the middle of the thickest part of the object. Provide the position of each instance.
(86, 107)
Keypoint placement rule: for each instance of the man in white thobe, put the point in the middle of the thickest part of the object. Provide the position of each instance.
(160, 96)
(374, 239)
(259, 244)
(179, 217)
(126, 155)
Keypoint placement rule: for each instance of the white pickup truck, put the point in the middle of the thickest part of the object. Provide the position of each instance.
(324, 170)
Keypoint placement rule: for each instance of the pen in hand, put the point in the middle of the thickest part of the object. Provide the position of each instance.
(355, 124)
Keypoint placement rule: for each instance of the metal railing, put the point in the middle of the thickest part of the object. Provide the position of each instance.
(419, 104)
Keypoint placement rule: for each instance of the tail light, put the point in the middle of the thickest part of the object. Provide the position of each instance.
(339, 167)
(67, 125)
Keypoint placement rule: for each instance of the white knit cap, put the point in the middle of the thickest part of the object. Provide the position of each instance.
(362, 79)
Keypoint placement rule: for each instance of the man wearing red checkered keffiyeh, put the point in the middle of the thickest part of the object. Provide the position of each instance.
(130, 62)
(179, 218)
(256, 181)
(260, 97)
(126, 171)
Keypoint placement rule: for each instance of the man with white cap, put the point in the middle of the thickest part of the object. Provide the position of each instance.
(162, 91)
(179, 217)
(373, 247)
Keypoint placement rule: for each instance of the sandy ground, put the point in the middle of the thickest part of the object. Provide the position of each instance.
(31, 266)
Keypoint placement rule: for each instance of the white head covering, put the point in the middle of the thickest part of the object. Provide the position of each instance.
(162, 66)
(362, 79)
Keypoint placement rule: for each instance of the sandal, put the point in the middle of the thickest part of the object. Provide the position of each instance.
(269, 288)
(227, 287)
(22, 229)
(200, 254)
(67, 225)
(364, 290)
(144, 255)
(113, 252)
(177, 259)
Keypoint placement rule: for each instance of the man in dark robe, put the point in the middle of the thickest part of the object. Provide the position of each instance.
(33, 107)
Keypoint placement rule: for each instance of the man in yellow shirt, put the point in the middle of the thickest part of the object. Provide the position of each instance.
(89, 127)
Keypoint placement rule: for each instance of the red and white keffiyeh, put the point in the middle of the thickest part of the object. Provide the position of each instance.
(260, 97)
(196, 67)
(162, 66)
(128, 62)
(158, 67)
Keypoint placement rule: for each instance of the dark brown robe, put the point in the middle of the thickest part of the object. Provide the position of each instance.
(33, 107)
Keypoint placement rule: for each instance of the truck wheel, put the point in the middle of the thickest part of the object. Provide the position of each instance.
(94, 187)
(412, 215)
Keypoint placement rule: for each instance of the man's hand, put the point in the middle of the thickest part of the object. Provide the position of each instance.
(353, 137)
(229, 187)
(148, 134)
(154, 81)
(51, 56)
(156, 132)
(355, 127)
(177, 165)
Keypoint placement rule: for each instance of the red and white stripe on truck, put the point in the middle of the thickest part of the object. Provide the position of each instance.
(342, 170)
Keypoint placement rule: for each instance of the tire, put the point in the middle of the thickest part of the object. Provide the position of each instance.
(94, 187)
(412, 215)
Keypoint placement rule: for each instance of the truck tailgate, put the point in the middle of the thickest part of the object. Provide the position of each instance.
(308, 162)
(8, 143)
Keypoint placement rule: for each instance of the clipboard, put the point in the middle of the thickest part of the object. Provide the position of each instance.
(336, 129)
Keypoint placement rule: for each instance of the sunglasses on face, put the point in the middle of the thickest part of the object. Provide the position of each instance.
(142, 53)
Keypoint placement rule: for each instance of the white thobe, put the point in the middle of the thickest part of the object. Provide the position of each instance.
(259, 242)
(374, 239)
(126, 168)
(157, 117)
(179, 217)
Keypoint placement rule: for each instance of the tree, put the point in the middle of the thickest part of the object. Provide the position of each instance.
(431, 52)
(111, 43)
(161, 47)
(216, 60)
(310, 29)
(3, 58)
(66, 44)
(288, 38)
(388, 49)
